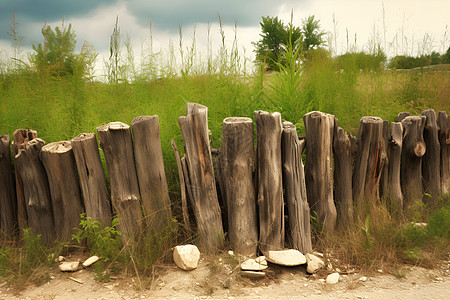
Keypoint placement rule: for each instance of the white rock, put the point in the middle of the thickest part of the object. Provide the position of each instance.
(91, 260)
(363, 279)
(69, 266)
(314, 263)
(288, 258)
(61, 258)
(261, 260)
(231, 253)
(186, 257)
(252, 265)
(333, 278)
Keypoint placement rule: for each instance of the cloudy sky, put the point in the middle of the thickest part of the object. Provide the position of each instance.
(398, 25)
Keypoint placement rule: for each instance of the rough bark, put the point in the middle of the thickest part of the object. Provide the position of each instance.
(343, 163)
(94, 186)
(295, 189)
(370, 160)
(194, 128)
(444, 140)
(431, 161)
(36, 190)
(8, 203)
(183, 190)
(402, 116)
(395, 196)
(67, 204)
(151, 174)
(236, 161)
(116, 142)
(269, 178)
(384, 184)
(21, 136)
(413, 150)
(319, 167)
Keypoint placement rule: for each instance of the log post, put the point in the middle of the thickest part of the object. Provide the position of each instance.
(431, 161)
(394, 191)
(21, 136)
(384, 184)
(237, 160)
(295, 189)
(36, 190)
(67, 204)
(370, 160)
(269, 181)
(8, 216)
(194, 128)
(319, 167)
(413, 149)
(444, 140)
(117, 144)
(94, 186)
(184, 207)
(402, 115)
(151, 174)
(343, 163)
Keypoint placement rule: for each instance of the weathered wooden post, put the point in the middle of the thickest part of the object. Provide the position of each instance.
(67, 204)
(8, 216)
(237, 161)
(194, 128)
(183, 189)
(319, 167)
(413, 150)
(151, 174)
(295, 189)
(117, 144)
(21, 136)
(343, 164)
(431, 161)
(444, 140)
(269, 181)
(402, 115)
(369, 161)
(36, 190)
(94, 186)
(395, 196)
(384, 184)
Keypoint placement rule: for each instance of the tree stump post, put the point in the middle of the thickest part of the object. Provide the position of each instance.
(269, 181)
(36, 190)
(94, 186)
(117, 144)
(237, 160)
(295, 189)
(151, 174)
(384, 184)
(21, 136)
(183, 189)
(67, 204)
(370, 160)
(444, 140)
(402, 116)
(8, 216)
(194, 128)
(395, 196)
(431, 160)
(319, 167)
(343, 163)
(411, 169)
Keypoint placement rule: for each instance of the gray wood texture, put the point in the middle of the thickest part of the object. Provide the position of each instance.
(443, 122)
(8, 202)
(395, 195)
(431, 161)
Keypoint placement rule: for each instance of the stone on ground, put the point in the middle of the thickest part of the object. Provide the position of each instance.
(261, 260)
(314, 263)
(251, 265)
(333, 278)
(69, 266)
(91, 260)
(253, 274)
(288, 258)
(186, 257)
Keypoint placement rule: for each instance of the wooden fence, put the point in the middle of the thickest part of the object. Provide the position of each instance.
(265, 195)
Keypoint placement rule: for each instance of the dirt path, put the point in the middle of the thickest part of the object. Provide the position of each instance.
(219, 280)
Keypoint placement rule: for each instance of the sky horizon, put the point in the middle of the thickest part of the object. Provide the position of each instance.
(399, 26)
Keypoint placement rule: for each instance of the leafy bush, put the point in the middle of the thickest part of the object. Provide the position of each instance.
(361, 61)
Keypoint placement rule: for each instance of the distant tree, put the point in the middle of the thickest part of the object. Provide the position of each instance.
(276, 37)
(446, 57)
(57, 56)
(313, 35)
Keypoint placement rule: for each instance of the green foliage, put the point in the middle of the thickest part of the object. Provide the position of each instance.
(313, 35)
(368, 239)
(361, 61)
(26, 262)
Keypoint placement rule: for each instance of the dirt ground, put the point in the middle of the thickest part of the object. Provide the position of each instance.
(219, 278)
